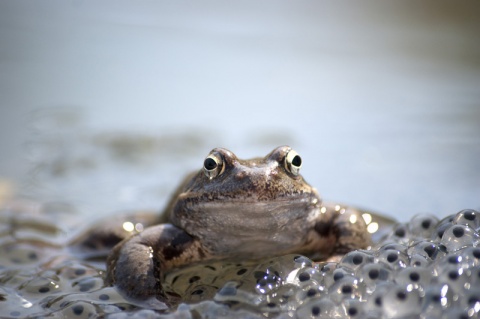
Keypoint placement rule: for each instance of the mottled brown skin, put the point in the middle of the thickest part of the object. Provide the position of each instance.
(250, 209)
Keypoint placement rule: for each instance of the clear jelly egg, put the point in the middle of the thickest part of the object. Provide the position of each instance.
(468, 217)
(425, 248)
(87, 284)
(16, 255)
(457, 237)
(267, 281)
(422, 225)
(327, 269)
(354, 308)
(312, 290)
(373, 274)
(231, 293)
(302, 261)
(318, 308)
(392, 246)
(356, 259)
(304, 276)
(394, 258)
(414, 278)
(287, 296)
(349, 287)
(438, 298)
(335, 274)
(374, 302)
(457, 277)
(419, 261)
(80, 309)
(46, 284)
(470, 257)
(441, 226)
(400, 303)
(471, 298)
(400, 234)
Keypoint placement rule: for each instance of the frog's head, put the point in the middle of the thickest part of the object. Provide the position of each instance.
(230, 197)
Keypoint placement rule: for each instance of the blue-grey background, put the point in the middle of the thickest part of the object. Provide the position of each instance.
(107, 104)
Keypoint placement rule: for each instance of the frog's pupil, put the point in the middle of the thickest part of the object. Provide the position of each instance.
(210, 164)
(297, 161)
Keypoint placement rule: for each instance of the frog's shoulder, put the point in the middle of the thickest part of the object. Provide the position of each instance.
(165, 216)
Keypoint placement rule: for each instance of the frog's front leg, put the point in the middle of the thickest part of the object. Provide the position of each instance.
(136, 266)
(347, 228)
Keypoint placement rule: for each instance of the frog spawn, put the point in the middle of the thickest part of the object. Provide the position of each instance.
(424, 269)
(38, 278)
(65, 289)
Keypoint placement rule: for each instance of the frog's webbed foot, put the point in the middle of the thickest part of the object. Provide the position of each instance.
(136, 266)
(348, 228)
(351, 231)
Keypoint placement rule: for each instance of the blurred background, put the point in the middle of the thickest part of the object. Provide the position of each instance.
(107, 105)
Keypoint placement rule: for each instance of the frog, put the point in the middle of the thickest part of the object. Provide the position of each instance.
(230, 209)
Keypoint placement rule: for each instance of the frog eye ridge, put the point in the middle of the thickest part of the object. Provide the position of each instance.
(213, 165)
(293, 162)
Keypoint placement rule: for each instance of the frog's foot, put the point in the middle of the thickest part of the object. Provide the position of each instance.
(345, 227)
(136, 265)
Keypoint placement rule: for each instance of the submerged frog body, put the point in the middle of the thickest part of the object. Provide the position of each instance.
(236, 209)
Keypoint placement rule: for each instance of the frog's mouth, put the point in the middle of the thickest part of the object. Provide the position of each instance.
(198, 206)
(192, 205)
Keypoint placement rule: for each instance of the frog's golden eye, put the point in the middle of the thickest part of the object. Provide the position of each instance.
(293, 162)
(213, 166)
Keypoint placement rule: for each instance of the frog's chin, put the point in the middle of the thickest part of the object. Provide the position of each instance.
(243, 211)
(236, 225)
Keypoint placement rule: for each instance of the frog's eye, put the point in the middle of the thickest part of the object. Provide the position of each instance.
(293, 162)
(213, 166)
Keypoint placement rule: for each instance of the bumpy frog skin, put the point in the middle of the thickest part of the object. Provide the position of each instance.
(236, 209)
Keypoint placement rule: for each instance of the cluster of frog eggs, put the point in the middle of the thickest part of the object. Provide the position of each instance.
(424, 269)
(40, 279)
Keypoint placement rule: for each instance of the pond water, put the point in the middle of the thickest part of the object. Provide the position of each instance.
(106, 106)
(381, 102)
